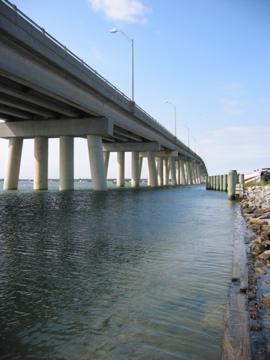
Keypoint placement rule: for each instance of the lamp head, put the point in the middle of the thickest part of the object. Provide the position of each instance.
(114, 30)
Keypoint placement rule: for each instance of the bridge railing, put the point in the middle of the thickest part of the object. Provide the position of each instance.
(88, 67)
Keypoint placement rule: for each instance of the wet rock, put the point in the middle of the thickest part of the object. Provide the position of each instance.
(256, 221)
(248, 210)
(253, 313)
(259, 270)
(265, 228)
(265, 300)
(256, 249)
(266, 215)
(265, 256)
(255, 325)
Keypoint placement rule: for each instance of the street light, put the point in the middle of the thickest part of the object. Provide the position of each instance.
(174, 109)
(131, 41)
(185, 125)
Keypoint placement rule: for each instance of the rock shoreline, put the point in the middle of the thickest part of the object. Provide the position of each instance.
(255, 208)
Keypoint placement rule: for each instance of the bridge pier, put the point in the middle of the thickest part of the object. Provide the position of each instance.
(198, 175)
(182, 172)
(13, 163)
(188, 172)
(160, 171)
(225, 182)
(152, 175)
(172, 170)
(177, 164)
(106, 155)
(120, 180)
(135, 169)
(192, 173)
(97, 162)
(198, 171)
(166, 171)
(41, 163)
(195, 173)
(140, 167)
(66, 144)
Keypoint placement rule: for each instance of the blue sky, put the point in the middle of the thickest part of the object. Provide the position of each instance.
(211, 58)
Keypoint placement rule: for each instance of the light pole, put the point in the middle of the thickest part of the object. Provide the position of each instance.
(174, 109)
(188, 131)
(131, 41)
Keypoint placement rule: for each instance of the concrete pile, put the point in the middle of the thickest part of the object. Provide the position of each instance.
(256, 210)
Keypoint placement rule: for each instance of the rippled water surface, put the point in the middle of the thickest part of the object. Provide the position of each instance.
(117, 275)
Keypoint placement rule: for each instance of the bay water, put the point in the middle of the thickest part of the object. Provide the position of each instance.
(122, 274)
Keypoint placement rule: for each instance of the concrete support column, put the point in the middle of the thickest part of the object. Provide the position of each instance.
(106, 156)
(187, 170)
(232, 181)
(13, 164)
(166, 171)
(190, 173)
(221, 183)
(160, 171)
(140, 167)
(225, 183)
(208, 182)
(241, 179)
(66, 163)
(172, 170)
(218, 183)
(97, 162)
(194, 173)
(178, 175)
(183, 180)
(41, 163)
(198, 171)
(120, 181)
(135, 169)
(152, 178)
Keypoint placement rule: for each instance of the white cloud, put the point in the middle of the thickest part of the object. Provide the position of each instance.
(124, 10)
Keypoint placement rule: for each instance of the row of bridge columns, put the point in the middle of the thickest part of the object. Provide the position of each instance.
(162, 170)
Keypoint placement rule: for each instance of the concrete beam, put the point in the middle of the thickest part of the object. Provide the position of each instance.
(37, 99)
(164, 153)
(130, 146)
(55, 128)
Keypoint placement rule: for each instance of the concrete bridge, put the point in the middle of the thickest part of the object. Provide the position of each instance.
(46, 91)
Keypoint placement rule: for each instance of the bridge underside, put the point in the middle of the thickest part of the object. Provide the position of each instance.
(19, 102)
(47, 91)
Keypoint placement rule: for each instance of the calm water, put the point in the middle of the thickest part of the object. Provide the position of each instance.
(118, 275)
